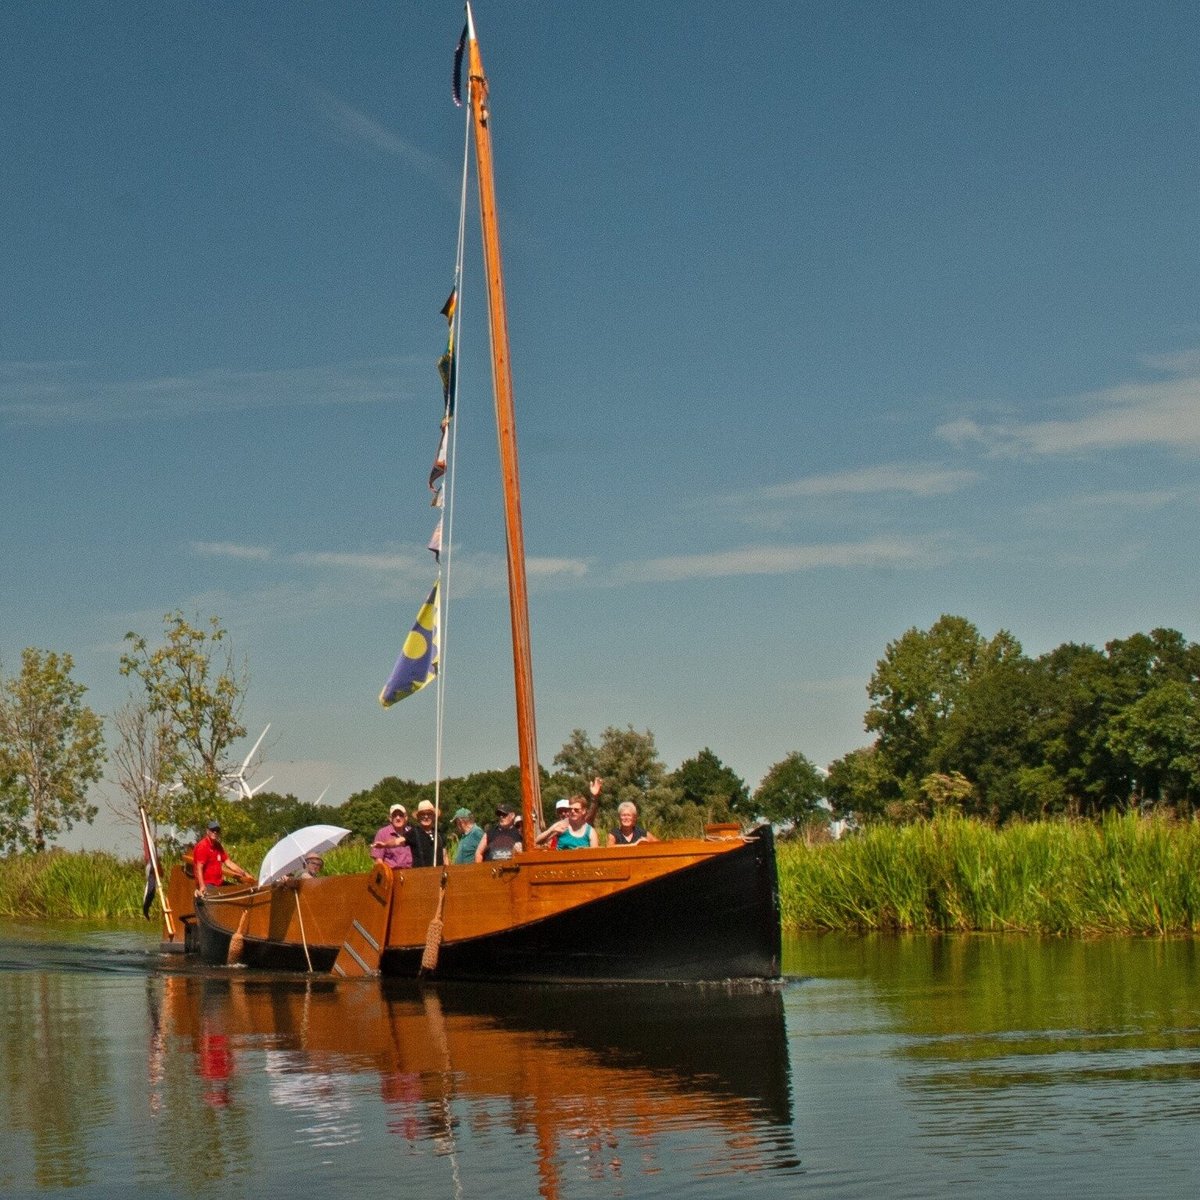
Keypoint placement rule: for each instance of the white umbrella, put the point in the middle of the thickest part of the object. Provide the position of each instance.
(289, 852)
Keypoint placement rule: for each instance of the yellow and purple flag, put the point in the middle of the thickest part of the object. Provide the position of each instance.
(418, 661)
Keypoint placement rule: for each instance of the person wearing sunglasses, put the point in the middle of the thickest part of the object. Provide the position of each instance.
(573, 833)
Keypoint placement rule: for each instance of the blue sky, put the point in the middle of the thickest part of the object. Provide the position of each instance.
(826, 319)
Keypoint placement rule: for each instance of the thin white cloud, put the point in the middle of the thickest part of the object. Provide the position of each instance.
(51, 393)
(370, 562)
(385, 571)
(352, 127)
(556, 568)
(356, 128)
(910, 478)
(1162, 412)
(783, 560)
(1135, 501)
(231, 550)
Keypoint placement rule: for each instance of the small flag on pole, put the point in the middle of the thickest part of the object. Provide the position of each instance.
(418, 661)
(435, 542)
(439, 465)
(448, 363)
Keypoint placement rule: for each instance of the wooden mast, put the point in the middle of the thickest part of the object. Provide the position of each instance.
(506, 432)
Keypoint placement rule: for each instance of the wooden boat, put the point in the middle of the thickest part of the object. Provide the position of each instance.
(687, 910)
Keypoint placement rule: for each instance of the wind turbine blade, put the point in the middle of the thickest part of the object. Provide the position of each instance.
(254, 748)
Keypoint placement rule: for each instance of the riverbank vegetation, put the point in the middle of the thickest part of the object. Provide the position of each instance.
(60, 885)
(976, 725)
(1124, 874)
(1053, 794)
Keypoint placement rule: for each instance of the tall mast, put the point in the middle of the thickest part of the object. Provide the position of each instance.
(506, 432)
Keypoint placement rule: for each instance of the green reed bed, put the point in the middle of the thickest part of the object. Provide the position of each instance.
(60, 885)
(1123, 875)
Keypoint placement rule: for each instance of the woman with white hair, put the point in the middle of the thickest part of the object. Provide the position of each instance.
(628, 832)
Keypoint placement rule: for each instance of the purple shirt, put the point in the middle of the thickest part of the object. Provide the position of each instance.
(392, 856)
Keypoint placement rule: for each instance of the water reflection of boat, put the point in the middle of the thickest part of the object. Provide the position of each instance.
(687, 910)
(633, 1066)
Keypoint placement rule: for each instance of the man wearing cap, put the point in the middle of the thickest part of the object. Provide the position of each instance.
(469, 836)
(391, 845)
(503, 839)
(424, 837)
(210, 858)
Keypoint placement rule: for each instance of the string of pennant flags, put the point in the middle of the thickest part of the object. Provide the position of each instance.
(417, 664)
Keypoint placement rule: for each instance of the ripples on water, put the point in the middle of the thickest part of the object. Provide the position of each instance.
(899, 1067)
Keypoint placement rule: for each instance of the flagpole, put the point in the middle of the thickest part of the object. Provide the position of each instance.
(506, 432)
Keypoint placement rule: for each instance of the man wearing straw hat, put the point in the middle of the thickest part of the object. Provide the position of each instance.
(314, 864)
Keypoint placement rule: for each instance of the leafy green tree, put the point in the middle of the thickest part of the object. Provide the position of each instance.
(949, 700)
(194, 690)
(859, 787)
(51, 749)
(989, 740)
(914, 688)
(790, 791)
(1159, 733)
(482, 791)
(1079, 771)
(578, 763)
(714, 791)
(270, 815)
(947, 792)
(1094, 757)
(629, 764)
(363, 813)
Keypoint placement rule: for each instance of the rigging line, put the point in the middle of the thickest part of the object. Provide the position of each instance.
(448, 489)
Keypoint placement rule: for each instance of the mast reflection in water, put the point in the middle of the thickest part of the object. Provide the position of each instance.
(571, 1083)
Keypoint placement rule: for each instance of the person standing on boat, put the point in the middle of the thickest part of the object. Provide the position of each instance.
(210, 860)
(574, 833)
(503, 839)
(469, 836)
(423, 837)
(628, 832)
(391, 845)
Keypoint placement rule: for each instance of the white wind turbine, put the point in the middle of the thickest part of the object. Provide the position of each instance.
(235, 781)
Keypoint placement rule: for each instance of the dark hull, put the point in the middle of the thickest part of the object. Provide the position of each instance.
(718, 920)
(714, 920)
(212, 943)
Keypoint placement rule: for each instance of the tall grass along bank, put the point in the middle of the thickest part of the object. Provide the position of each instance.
(1126, 874)
(1123, 875)
(59, 885)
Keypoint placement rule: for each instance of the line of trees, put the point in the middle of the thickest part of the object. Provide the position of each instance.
(960, 721)
(974, 724)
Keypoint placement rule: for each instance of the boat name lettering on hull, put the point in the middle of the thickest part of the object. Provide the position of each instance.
(601, 872)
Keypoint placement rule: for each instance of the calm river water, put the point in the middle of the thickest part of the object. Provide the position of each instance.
(964, 1067)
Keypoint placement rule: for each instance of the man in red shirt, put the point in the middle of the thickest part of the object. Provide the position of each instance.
(210, 858)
